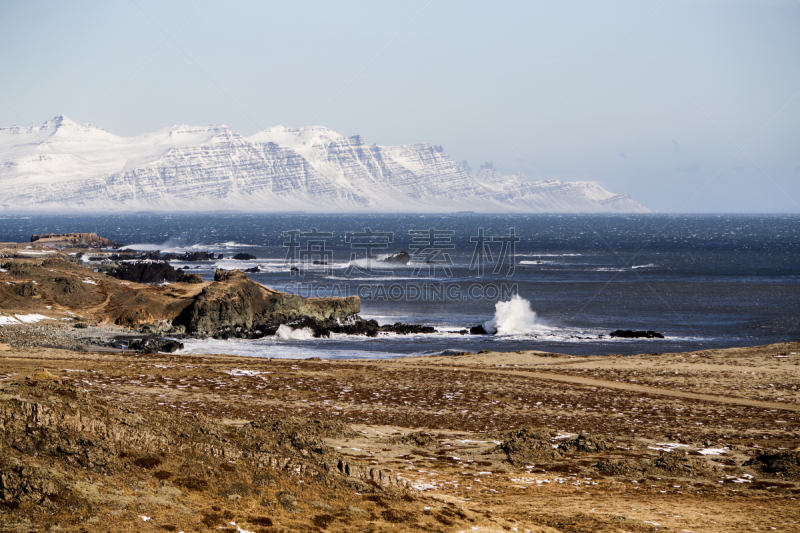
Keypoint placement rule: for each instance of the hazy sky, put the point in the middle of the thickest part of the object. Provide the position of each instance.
(683, 105)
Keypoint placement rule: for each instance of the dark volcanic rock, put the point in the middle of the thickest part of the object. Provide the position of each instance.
(400, 258)
(138, 344)
(252, 270)
(244, 257)
(159, 345)
(629, 334)
(190, 278)
(353, 325)
(405, 329)
(240, 306)
(145, 272)
(478, 330)
(133, 255)
(189, 256)
(27, 288)
(780, 464)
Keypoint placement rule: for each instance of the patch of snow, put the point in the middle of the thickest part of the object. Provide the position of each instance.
(712, 451)
(240, 372)
(311, 168)
(30, 319)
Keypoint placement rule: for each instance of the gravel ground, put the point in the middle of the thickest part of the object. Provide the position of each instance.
(65, 335)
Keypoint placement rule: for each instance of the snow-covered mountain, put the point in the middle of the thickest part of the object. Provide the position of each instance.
(62, 165)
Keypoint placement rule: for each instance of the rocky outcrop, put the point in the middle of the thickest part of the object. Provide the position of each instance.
(73, 240)
(406, 329)
(234, 301)
(54, 437)
(244, 257)
(782, 464)
(668, 465)
(528, 445)
(190, 278)
(231, 306)
(584, 444)
(140, 272)
(629, 334)
(133, 255)
(189, 256)
(400, 258)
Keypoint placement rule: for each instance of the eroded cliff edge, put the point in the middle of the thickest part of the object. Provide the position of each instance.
(235, 305)
(231, 305)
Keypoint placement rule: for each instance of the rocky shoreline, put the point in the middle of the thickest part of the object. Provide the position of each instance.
(231, 306)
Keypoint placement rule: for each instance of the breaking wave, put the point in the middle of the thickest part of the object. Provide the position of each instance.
(286, 333)
(178, 245)
(514, 317)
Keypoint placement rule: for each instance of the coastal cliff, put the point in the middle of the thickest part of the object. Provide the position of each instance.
(232, 302)
(73, 240)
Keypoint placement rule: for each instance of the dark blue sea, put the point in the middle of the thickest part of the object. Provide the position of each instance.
(558, 283)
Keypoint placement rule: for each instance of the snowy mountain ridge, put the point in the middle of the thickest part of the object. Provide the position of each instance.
(61, 165)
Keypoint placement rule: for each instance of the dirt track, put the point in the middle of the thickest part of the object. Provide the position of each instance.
(628, 387)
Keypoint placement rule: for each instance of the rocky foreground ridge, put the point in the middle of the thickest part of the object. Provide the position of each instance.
(548, 443)
(66, 459)
(64, 165)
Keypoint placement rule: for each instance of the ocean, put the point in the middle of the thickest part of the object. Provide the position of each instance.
(558, 283)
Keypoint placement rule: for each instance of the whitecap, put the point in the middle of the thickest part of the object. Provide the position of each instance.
(514, 317)
(288, 334)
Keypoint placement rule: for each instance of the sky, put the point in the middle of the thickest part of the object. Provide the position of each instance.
(686, 106)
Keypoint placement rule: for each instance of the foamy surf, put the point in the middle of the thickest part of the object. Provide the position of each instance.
(286, 333)
(177, 246)
(515, 317)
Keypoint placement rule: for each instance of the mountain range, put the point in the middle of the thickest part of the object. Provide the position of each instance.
(64, 166)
